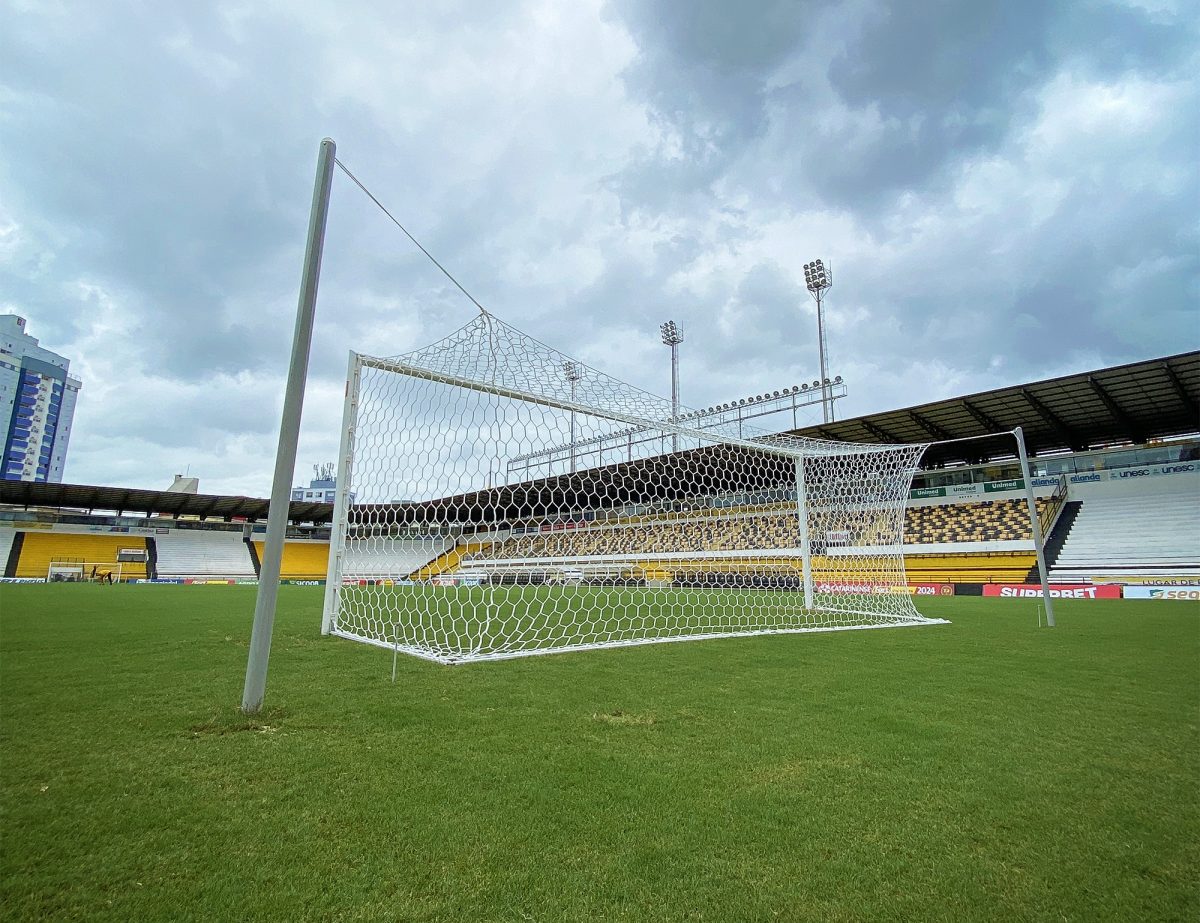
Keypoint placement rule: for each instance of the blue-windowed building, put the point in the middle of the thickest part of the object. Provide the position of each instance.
(37, 405)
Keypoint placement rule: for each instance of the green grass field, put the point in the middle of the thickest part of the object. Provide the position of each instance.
(980, 770)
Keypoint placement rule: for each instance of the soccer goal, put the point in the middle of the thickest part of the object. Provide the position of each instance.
(76, 570)
(497, 498)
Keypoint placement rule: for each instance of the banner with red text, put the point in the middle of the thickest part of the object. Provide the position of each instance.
(1059, 591)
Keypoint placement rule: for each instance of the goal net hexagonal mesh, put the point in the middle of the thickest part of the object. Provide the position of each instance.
(497, 498)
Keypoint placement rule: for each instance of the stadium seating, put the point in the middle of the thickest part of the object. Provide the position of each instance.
(1000, 520)
(388, 557)
(6, 540)
(40, 549)
(982, 521)
(645, 537)
(969, 568)
(301, 560)
(203, 553)
(1138, 530)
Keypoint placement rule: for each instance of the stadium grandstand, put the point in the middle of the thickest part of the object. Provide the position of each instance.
(1115, 460)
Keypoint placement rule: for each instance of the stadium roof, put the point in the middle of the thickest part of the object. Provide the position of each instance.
(1133, 403)
(163, 502)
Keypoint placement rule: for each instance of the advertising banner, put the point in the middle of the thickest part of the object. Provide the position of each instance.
(992, 487)
(1191, 594)
(872, 589)
(1156, 471)
(1130, 474)
(923, 493)
(923, 589)
(465, 579)
(1157, 580)
(1060, 591)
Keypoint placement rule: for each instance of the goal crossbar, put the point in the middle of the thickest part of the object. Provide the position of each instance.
(775, 445)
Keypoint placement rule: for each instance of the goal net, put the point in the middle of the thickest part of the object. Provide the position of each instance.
(497, 498)
(77, 570)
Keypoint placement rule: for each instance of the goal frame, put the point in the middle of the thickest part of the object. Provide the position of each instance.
(358, 361)
(334, 587)
(64, 565)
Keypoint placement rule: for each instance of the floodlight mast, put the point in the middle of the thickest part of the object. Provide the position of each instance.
(289, 434)
(672, 336)
(818, 280)
(573, 373)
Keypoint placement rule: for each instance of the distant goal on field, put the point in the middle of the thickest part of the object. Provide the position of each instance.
(78, 570)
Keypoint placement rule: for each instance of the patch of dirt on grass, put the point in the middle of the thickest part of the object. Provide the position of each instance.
(616, 716)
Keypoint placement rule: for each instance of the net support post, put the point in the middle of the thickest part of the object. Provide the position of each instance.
(1035, 525)
(289, 434)
(805, 544)
(341, 498)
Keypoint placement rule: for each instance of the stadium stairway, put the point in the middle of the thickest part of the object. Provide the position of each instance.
(151, 558)
(1057, 538)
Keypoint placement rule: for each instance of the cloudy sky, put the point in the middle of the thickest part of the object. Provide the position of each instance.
(1005, 189)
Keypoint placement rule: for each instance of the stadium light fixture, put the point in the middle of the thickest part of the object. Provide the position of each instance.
(818, 280)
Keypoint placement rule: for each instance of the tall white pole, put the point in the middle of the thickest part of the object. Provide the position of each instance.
(675, 393)
(805, 543)
(289, 434)
(572, 427)
(821, 350)
(1035, 524)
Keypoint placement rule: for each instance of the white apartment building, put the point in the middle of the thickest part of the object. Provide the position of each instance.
(37, 405)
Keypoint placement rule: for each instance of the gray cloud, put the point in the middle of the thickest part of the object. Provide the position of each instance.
(1005, 191)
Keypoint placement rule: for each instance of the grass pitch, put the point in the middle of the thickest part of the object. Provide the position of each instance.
(981, 770)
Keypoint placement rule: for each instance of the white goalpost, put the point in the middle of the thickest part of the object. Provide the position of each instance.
(75, 570)
(496, 498)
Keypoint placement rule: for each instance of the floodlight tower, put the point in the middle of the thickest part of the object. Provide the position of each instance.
(672, 336)
(573, 373)
(818, 281)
